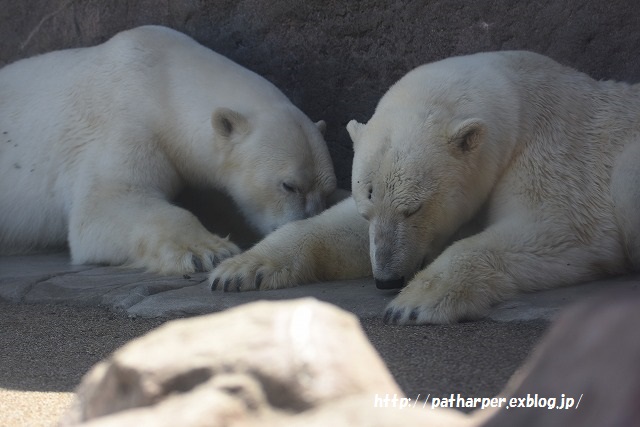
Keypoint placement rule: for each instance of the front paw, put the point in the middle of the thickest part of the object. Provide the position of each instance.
(185, 253)
(434, 301)
(254, 270)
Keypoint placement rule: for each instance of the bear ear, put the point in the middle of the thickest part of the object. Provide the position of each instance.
(355, 130)
(467, 135)
(229, 123)
(322, 126)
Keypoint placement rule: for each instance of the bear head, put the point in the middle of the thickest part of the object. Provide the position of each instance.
(426, 162)
(274, 163)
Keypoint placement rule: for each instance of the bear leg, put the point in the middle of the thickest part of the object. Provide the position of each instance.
(330, 246)
(143, 231)
(477, 272)
(625, 191)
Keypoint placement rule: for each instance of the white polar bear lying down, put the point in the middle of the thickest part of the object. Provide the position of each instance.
(94, 142)
(543, 158)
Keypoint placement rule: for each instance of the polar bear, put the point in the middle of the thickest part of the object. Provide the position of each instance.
(95, 142)
(476, 178)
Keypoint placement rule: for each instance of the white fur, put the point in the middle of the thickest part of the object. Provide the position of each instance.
(540, 159)
(94, 143)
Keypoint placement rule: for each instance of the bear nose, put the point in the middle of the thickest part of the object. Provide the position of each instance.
(390, 284)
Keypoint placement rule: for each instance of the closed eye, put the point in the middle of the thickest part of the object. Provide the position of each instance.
(290, 188)
(410, 212)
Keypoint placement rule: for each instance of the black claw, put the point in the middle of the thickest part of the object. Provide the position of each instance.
(258, 281)
(396, 317)
(387, 315)
(413, 316)
(214, 284)
(225, 287)
(197, 263)
(238, 284)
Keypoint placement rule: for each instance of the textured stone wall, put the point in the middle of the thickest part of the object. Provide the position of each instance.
(334, 59)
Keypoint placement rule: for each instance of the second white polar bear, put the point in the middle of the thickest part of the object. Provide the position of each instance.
(542, 159)
(95, 142)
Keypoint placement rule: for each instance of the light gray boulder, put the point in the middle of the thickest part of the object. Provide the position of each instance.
(266, 363)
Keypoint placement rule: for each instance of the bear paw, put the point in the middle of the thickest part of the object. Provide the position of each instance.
(252, 271)
(427, 303)
(186, 255)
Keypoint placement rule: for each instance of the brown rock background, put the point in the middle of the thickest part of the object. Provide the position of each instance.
(334, 59)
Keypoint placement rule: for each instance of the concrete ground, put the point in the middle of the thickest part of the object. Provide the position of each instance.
(57, 320)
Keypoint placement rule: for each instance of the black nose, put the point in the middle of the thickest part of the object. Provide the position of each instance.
(390, 284)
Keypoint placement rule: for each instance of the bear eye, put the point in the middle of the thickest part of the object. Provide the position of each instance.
(289, 188)
(412, 211)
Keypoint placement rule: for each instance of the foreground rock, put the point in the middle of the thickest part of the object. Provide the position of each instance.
(304, 362)
(285, 363)
(588, 362)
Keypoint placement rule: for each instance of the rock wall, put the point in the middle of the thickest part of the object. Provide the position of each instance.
(334, 59)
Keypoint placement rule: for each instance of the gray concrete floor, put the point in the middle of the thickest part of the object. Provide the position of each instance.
(56, 320)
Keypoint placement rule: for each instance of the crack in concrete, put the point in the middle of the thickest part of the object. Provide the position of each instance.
(41, 23)
(29, 287)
